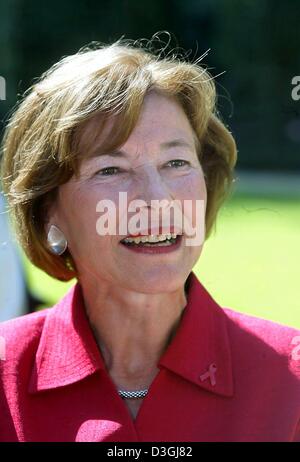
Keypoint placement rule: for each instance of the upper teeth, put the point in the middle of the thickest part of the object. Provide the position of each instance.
(151, 238)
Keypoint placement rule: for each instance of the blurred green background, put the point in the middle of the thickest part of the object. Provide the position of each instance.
(251, 263)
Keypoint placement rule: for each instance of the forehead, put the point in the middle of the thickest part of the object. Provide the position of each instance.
(160, 120)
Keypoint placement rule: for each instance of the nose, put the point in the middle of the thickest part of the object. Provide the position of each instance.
(161, 209)
(151, 185)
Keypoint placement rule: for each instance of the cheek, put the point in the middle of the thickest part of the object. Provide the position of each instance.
(78, 216)
(193, 195)
(191, 187)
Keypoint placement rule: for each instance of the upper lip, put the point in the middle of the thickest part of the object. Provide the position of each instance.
(155, 231)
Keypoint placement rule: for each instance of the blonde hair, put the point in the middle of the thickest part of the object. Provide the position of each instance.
(40, 144)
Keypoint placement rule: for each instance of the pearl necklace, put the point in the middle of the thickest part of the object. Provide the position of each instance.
(133, 394)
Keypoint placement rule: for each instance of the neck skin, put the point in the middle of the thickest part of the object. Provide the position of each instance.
(132, 329)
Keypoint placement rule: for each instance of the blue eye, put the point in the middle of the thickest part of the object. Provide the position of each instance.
(177, 163)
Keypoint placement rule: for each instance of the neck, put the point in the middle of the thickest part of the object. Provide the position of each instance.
(132, 329)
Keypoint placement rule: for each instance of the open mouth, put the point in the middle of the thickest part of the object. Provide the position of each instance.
(153, 240)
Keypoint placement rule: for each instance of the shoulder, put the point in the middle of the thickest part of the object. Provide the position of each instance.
(19, 341)
(264, 338)
(271, 332)
(20, 336)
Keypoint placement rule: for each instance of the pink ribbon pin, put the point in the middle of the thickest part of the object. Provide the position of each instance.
(211, 374)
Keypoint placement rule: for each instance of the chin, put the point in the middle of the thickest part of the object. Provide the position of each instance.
(158, 280)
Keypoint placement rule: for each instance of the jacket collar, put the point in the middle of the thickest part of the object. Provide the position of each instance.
(67, 351)
(199, 352)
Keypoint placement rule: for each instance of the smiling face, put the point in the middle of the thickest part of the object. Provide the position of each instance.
(158, 162)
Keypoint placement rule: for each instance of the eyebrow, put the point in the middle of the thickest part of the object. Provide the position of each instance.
(177, 143)
(164, 146)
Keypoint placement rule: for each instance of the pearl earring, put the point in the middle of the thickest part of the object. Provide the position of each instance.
(56, 240)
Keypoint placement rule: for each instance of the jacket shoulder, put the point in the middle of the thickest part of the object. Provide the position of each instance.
(265, 335)
(20, 335)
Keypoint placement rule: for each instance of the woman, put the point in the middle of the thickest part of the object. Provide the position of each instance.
(137, 350)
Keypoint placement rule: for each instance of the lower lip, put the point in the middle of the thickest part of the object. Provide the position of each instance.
(155, 250)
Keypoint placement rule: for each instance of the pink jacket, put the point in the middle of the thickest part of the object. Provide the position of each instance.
(226, 376)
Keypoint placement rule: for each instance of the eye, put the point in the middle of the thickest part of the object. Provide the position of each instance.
(177, 163)
(108, 171)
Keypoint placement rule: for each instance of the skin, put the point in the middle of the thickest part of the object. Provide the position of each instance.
(134, 302)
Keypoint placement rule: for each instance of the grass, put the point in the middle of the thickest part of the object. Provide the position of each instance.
(250, 264)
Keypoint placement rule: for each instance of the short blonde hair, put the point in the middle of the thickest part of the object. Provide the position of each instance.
(40, 144)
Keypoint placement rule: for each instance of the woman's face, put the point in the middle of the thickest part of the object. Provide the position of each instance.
(158, 162)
